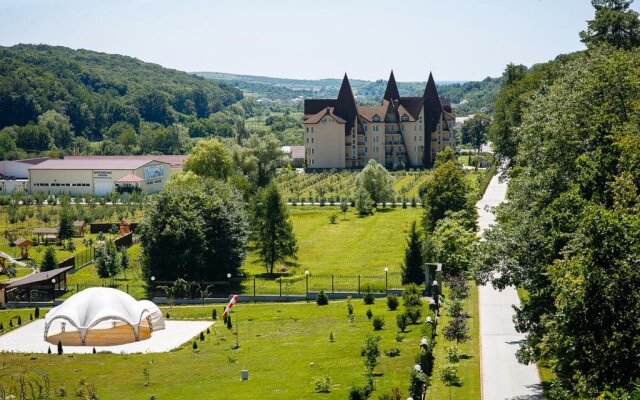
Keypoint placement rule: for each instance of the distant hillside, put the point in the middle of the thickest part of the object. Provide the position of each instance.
(478, 95)
(95, 90)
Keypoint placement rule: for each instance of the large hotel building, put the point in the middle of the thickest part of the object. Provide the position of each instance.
(400, 132)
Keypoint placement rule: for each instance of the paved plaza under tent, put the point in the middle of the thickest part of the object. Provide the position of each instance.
(30, 339)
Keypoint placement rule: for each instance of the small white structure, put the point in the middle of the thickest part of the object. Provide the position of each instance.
(91, 307)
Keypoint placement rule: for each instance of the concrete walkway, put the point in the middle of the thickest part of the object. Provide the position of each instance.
(502, 376)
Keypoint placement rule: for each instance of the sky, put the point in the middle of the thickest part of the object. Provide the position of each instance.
(456, 39)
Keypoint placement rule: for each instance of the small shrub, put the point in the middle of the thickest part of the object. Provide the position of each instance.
(402, 320)
(331, 337)
(322, 299)
(202, 336)
(167, 316)
(455, 308)
(1, 327)
(322, 384)
(392, 352)
(10, 323)
(449, 375)
(30, 317)
(229, 323)
(392, 302)
(48, 350)
(414, 314)
(19, 320)
(368, 296)
(60, 350)
(214, 314)
(358, 393)
(378, 323)
(350, 309)
(333, 218)
(400, 338)
(208, 331)
(61, 391)
(395, 394)
(37, 312)
(195, 345)
(94, 350)
(452, 354)
(369, 314)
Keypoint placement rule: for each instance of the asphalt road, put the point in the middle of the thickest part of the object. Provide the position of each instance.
(502, 377)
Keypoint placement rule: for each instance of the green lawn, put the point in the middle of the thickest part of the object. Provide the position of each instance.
(284, 347)
(469, 367)
(357, 245)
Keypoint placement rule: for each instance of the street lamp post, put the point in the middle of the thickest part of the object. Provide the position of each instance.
(436, 296)
(153, 286)
(306, 277)
(53, 290)
(386, 279)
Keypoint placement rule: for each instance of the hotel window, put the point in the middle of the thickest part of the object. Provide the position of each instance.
(365, 128)
(353, 153)
(307, 129)
(311, 140)
(415, 138)
(376, 118)
(312, 161)
(365, 139)
(307, 138)
(312, 129)
(405, 117)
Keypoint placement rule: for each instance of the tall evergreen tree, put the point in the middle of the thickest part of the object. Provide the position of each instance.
(49, 261)
(412, 271)
(273, 231)
(615, 23)
(65, 228)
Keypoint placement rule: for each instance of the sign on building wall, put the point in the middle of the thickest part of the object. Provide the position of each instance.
(101, 174)
(153, 172)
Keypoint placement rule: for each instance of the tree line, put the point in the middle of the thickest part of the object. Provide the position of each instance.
(570, 232)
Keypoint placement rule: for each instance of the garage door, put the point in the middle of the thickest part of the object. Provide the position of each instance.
(102, 188)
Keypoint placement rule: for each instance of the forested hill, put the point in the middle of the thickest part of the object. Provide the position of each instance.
(93, 91)
(470, 97)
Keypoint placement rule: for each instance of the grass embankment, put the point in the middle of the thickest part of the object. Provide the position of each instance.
(469, 366)
(284, 347)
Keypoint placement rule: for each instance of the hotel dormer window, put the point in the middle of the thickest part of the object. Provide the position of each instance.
(405, 117)
(376, 118)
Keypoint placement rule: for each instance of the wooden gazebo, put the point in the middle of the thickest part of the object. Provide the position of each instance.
(43, 233)
(24, 245)
(125, 227)
(79, 227)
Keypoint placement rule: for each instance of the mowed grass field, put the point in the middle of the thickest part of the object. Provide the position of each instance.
(351, 246)
(283, 346)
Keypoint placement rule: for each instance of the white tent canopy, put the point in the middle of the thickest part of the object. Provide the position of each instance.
(89, 307)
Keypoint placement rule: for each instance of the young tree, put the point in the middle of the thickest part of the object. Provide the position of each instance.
(49, 261)
(371, 351)
(124, 260)
(65, 228)
(377, 181)
(344, 207)
(412, 266)
(107, 260)
(363, 201)
(457, 329)
(615, 23)
(272, 229)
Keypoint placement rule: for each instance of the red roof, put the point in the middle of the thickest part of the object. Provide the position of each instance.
(173, 159)
(129, 178)
(93, 164)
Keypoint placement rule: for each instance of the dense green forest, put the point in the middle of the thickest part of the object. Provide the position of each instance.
(56, 98)
(469, 97)
(570, 233)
